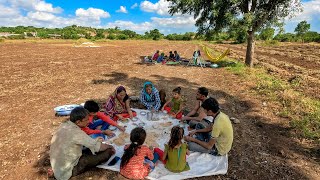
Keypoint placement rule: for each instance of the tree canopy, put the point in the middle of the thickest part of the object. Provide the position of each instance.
(250, 14)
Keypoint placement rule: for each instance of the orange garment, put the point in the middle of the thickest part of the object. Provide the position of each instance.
(103, 117)
(136, 168)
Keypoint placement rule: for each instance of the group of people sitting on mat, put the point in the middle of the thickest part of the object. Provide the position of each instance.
(162, 58)
(78, 144)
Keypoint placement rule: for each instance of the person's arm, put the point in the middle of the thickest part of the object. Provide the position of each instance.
(108, 120)
(128, 108)
(89, 131)
(207, 129)
(158, 101)
(149, 153)
(165, 104)
(207, 145)
(165, 153)
(193, 112)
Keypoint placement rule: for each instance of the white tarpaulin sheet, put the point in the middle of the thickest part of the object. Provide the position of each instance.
(201, 164)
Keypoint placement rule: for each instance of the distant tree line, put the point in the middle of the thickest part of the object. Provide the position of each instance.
(234, 33)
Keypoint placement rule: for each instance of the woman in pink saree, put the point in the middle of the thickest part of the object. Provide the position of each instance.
(118, 105)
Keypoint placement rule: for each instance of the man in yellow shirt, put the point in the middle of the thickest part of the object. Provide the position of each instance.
(219, 141)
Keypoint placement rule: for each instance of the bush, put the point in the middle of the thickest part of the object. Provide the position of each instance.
(122, 37)
(17, 37)
(111, 36)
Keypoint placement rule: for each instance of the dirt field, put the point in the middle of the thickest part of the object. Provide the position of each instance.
(36, 77)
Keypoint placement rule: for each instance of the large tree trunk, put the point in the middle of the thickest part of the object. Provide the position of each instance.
(250, 49)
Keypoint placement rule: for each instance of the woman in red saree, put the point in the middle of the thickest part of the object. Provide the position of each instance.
(118, 105)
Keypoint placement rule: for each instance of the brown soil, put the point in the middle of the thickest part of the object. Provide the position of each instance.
(36, 77)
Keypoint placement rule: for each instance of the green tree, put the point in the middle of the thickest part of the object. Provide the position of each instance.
(302, 28)
(266, 34)
(220, 14)
(154, 34)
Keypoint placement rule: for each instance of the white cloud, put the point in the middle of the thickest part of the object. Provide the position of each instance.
(134, 5)
(122, 9)
(35, 5)
(161, 7)
(92, 13)
(8, 12)
(311, 11)
(174, 22)
(41, 16)
(137, 27)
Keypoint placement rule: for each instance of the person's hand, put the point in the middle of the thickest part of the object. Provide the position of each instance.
(184, 118)
(153, 110)
(162, 109)
(108, 132)
(120, 117)
(99, 139)
(151, 148)
(191, 133)
(131, 116)
(121, 128)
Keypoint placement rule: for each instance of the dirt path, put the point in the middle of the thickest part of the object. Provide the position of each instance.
(36, 77)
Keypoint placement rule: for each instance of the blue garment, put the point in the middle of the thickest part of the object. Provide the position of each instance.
(95, 123)
(150, 100)
(177, 57)
(160, 59)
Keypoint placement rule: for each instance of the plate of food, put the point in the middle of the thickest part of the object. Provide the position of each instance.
(112, 128)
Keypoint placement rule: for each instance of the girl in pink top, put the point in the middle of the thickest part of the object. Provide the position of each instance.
(133, 164)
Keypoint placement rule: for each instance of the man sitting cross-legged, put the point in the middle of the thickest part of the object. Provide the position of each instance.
(216, 139)
(66, 156)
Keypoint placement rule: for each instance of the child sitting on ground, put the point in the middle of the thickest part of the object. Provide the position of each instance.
(98, 122)
(177, 104)
(136, 161)
(175, 151)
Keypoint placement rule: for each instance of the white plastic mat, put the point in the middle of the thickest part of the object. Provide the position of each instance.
(201, 164)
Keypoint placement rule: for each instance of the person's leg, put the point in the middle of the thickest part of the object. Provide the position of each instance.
(156, 157)
(95, 124)
(168, 109)
(105, 126)
(150, 163)
(205, 136)
(197, 148)
(89, 161)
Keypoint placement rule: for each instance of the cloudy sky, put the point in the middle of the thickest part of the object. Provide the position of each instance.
(139, 16)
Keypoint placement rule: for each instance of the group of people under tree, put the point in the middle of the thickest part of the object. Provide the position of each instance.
(77, 144)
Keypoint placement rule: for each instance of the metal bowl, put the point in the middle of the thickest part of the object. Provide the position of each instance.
(143, 113)
(141, 124)
(134, 119)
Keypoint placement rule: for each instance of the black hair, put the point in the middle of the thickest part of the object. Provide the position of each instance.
(203, 91)
(175, 52)
(175, 136)
(137, 138)
(177, 90)
(91, 106)
(120, 89)
(211, 104)
(78, 113)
